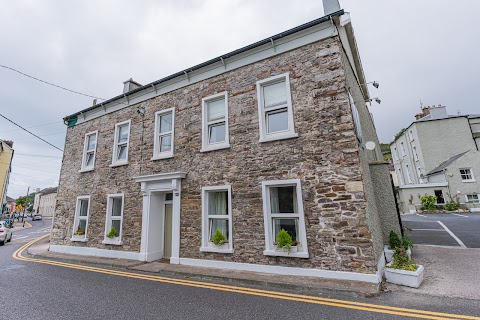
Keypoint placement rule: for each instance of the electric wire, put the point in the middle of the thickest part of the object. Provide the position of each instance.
(40, 125)
(26, 175)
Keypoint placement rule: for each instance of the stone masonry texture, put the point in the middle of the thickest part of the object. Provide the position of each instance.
(324, 157)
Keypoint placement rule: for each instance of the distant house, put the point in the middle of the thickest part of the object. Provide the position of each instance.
(6, 156)
(10, 204)
(438, 154)
(44, 202)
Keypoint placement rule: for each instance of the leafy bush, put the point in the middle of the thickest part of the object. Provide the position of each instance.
(394, 240)
(452, 204)
(284, 240)
(406, 242)
(218, 238)
(113, 233)
(401, 261)
(428, 202)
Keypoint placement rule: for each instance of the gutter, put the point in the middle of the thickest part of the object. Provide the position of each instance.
(72, 118)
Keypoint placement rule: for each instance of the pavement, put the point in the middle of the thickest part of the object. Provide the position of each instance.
(21, 226)
(298, 284)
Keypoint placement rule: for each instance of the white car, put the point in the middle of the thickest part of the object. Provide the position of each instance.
(36, 216)
(6, 233)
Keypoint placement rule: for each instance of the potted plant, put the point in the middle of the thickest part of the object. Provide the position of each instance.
(79, 232)
(403, 271)
(394, 241)
(220, 240)
(113, 233)
(285, 242)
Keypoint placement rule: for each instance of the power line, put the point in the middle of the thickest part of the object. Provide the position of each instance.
(40, 125)
(1, 115)
(43, 135)
(26, 175)
(51, 84)
(35, 155)
(35, 169)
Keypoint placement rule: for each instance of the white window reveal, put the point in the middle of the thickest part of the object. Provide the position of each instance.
(409, 176)
(395, 153)
(404, 153)
(467, 175)
(121, 143)
(400, 176)
(356, 118)
(410, 134)
(419, 174)
(283, 213)
(164, 134)
(215, 122)
(114, 220)
(472, 198)
(217, 219)
(275, 109)
(415, 154)
(80, 223)
(89, 150)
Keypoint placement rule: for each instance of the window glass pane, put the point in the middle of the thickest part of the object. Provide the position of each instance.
(83, 208)
(89, 160)
(169, 196)
(122, 152)
(277, 121)
(116, 225)
(275, 94)
(123, 133)
(216, 110)
(290, 225)
(116, 207)
(83, 225)
(219, 224)
(165, 122)
(92, 140)
(217, 203)
(283, 199)
(216, 133)
(166, 143)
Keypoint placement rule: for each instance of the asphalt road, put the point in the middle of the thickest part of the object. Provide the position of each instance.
(40, 291)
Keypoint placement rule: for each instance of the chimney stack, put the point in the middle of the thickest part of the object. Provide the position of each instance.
(130, 85)
(419, 116)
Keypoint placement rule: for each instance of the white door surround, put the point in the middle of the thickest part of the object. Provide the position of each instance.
(152, 185)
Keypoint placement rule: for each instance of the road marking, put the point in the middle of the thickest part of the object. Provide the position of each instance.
(17, 238)
(460, 215)
(453, 236)
(442, 230)
(421, 215)
(412, 313)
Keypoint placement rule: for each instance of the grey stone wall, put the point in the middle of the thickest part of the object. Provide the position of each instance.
(324, 157)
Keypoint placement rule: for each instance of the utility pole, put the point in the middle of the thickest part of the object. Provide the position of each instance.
(25, 207)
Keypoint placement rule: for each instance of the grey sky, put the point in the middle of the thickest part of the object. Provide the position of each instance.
(416, 50)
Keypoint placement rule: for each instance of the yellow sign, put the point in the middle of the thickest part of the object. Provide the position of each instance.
(19, 207)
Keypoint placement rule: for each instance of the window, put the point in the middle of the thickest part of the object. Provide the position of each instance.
(395, 153)
(164, 134)
(215, 122)
(283, 209)
(114, 221)
(80, 223)
(120, 147)
(275, 110)
(472, 198)
(400, 176)
(89, 150)
(403, 149)
(467, 175)
(415, 154)
(356, 118)
(410, 134)
(217, 216)
(419, 174)
(409, 176)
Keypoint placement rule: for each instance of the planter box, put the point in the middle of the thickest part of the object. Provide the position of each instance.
(389, 253)
(403, 277)
(293, 249)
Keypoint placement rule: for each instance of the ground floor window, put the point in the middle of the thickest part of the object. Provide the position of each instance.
(114, 219)
(80, 224)
(284, 219)
(217, 219)
(473, 198)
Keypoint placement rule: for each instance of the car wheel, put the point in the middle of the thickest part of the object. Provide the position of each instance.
(2, 243)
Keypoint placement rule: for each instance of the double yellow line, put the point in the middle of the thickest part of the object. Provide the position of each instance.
(412, 313)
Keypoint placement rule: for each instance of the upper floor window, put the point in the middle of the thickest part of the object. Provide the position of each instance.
(467, 175)
(395, 153)
(415, 154)
(275, 108)
(164, 134)
(215, 122)
(402, 147)
(410, 134)
(114, 219)
(121, 143)
(80, 224)
(400, 177)
(409, 175)
(89, 150)
(356, 118)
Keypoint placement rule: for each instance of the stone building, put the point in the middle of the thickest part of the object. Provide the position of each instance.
(44, 202)
(6, 157)
(205, 167)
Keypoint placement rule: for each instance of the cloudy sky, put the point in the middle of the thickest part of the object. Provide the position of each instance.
(416, 49)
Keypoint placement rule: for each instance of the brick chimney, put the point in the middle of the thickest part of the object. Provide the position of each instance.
(426, 111)
(419, 116)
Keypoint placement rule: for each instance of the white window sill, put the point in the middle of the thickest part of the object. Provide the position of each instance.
(215, 147)
(118, 164)
(74, 239)
(469, 181)
(285, 254)
(114, 242)
(214, 249)
(85, 170)
(280, 136)
(162, 156)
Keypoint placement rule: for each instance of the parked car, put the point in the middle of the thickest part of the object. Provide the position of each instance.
(6, 233)
(36, 216)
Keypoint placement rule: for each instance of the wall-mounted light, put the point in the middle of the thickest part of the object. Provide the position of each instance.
(377, 100)
(374, 83)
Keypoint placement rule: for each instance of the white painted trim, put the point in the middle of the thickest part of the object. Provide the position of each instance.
(280, 270)
(425, 185)
(278, 253)
(471, 173)
(95, 252)
(77, 218)
(316, 33)
(83, 167)
(264, 135)
(156, 141)
(116, 163)
(117, 240)
(206, 146)
(160, 176)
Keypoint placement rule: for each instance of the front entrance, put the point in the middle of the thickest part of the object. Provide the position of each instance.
(167, 232)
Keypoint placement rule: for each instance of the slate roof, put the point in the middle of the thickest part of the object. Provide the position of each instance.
(10, 199)
(48, 190)
(442, 166)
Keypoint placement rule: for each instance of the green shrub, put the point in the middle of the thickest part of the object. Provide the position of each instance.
(284, 240)
(401, 261)
(428, 202)
(406, 242)
(394, 240)
(79, 232)
(451, 206)
(218, 238)
(113, 233)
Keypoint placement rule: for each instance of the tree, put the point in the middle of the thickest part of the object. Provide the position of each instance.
(23, 201)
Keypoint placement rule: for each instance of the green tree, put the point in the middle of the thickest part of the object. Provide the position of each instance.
(23, 201)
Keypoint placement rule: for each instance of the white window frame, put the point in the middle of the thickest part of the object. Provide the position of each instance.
(415, 154)
(409, 175)
(473, 194)
(402, 148)
(108, 220)
(410, 134)
(419, 174)
(472, 179)
(287, 134)
(270, 248)
(84, 167)
(206, 146)
(76, 220)
(356, 119)
(400, 176)
(207, 245)
(116, 162)
(156, 142)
